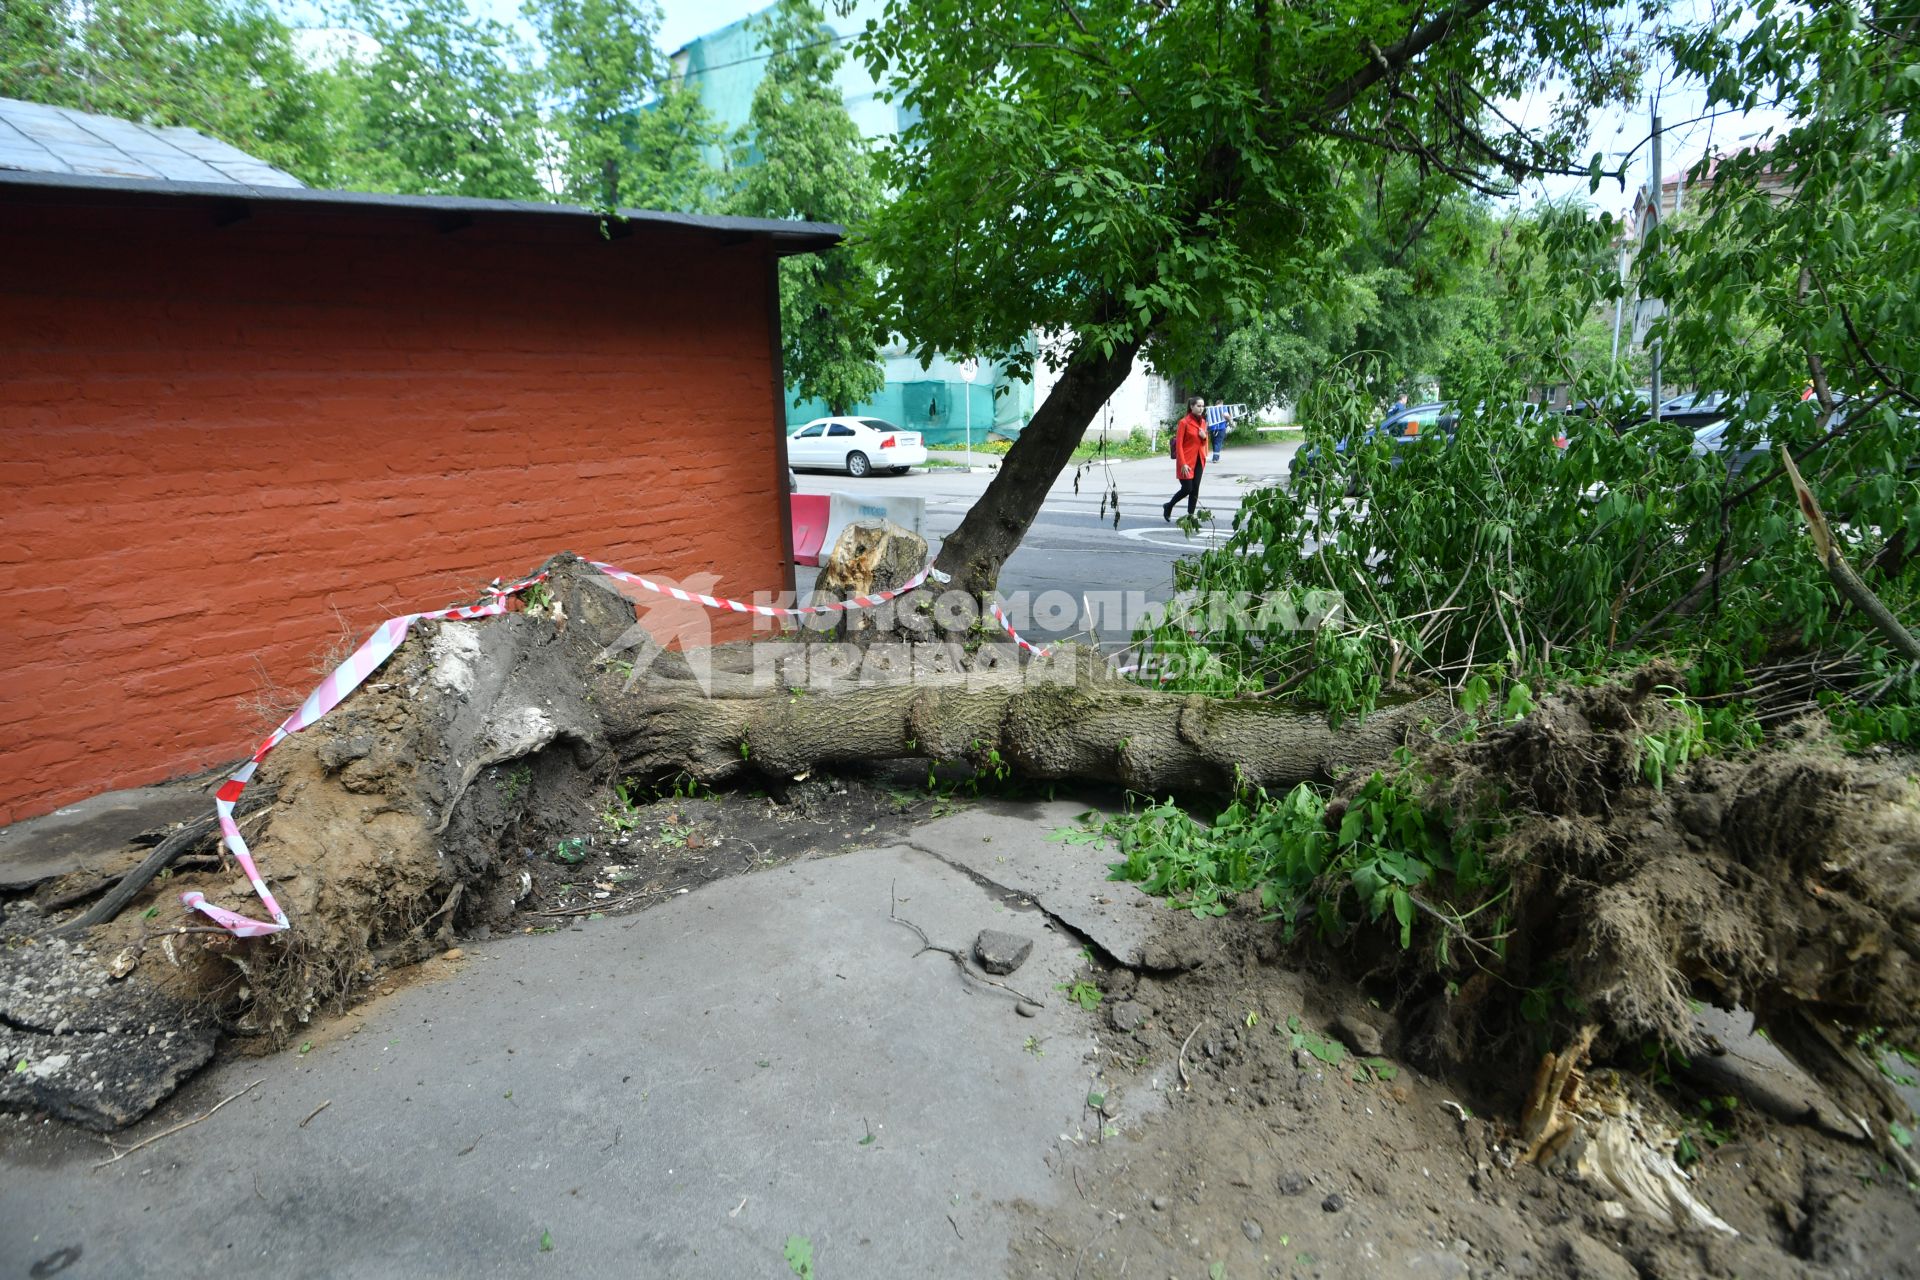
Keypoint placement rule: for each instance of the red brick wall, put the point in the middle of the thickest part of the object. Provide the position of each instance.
(224, 442)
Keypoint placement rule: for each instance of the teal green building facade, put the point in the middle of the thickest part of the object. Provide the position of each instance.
(725, 67)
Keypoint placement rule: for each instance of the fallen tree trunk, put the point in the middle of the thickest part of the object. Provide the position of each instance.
(410, 813)
(1058, 721)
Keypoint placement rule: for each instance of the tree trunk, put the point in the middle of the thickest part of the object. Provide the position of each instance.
(413, 810)
(994, 526)
(1060, 720)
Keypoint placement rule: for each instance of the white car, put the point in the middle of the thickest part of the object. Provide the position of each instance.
(858, 446)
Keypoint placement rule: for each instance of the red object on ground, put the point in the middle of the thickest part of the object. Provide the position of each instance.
(234, 443)
(809, 525)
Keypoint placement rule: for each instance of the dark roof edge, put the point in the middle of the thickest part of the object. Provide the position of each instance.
(788, 237)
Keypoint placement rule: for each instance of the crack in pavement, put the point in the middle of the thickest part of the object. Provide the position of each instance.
(1015, 897)
(28, 1028)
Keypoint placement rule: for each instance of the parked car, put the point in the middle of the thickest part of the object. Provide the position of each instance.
(1712, 440)
(1410, 426)
(858, 446)
(1630, 409)
(1407, 425)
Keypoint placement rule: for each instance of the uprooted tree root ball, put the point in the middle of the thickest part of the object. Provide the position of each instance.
(1784, 881)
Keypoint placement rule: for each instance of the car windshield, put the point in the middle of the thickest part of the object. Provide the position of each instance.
(877, 424)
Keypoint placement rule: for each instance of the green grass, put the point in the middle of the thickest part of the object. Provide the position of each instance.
(1385, 857)
(1134, 445)
(1138, 444)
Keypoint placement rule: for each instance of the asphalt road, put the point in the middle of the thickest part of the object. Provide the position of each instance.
(1073, 547)
(768, 1064)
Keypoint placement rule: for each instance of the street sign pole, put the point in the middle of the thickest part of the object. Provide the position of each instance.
(1655, 185)
(969, 369)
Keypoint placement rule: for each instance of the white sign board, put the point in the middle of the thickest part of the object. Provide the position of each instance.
(844, 509)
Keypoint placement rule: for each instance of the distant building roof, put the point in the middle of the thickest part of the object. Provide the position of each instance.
(53, 153)
(43, 139)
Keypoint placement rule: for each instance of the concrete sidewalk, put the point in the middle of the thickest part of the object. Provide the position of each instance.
(1263, 463)
(675, 1093)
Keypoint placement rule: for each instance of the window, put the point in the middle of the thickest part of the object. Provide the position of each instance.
(878, 424)
(840, 429)
(810, 433)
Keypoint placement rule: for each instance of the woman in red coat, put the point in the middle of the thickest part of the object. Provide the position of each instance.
(1189, 457)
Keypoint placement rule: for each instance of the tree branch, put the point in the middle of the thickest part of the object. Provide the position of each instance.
(1389, 61)
(1841, 573)
(1412, 147)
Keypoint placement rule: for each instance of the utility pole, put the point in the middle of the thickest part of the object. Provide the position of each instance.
(1619, 306)
(1653, 221)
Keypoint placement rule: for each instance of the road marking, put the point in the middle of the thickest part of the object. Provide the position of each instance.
(1178, 537)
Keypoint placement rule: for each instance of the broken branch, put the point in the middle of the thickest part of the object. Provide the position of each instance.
(184, 1124)
(1841, 573)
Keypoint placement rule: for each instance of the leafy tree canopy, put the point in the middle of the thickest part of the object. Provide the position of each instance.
(1531, 549)
(1403, 288)
(1118, 175)
(600, 69)
(1122, 172)
(429, 99)
(225, 67)
(444, 106)
(1812, 237)
(803, 157)
(626, 134)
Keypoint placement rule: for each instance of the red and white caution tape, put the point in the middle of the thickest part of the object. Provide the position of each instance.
(346, 677)
(1000, 616)
(770, 610)
(368, 658)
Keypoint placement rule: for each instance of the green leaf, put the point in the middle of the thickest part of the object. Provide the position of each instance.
(1331, 1052)
(546, 1242)
(799, 1256)
(1352, 824)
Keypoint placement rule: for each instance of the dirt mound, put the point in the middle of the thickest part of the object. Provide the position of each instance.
(1785, 881)
(1270, 1124)
(405, 818)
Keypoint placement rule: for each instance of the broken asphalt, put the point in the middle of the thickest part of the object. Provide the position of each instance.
(770, 1062)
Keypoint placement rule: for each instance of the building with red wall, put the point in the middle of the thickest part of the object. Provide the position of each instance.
(241, 421)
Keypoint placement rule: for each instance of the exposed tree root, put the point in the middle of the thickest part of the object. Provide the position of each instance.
(1785, 882)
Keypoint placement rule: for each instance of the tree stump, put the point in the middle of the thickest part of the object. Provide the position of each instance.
(870, 556)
